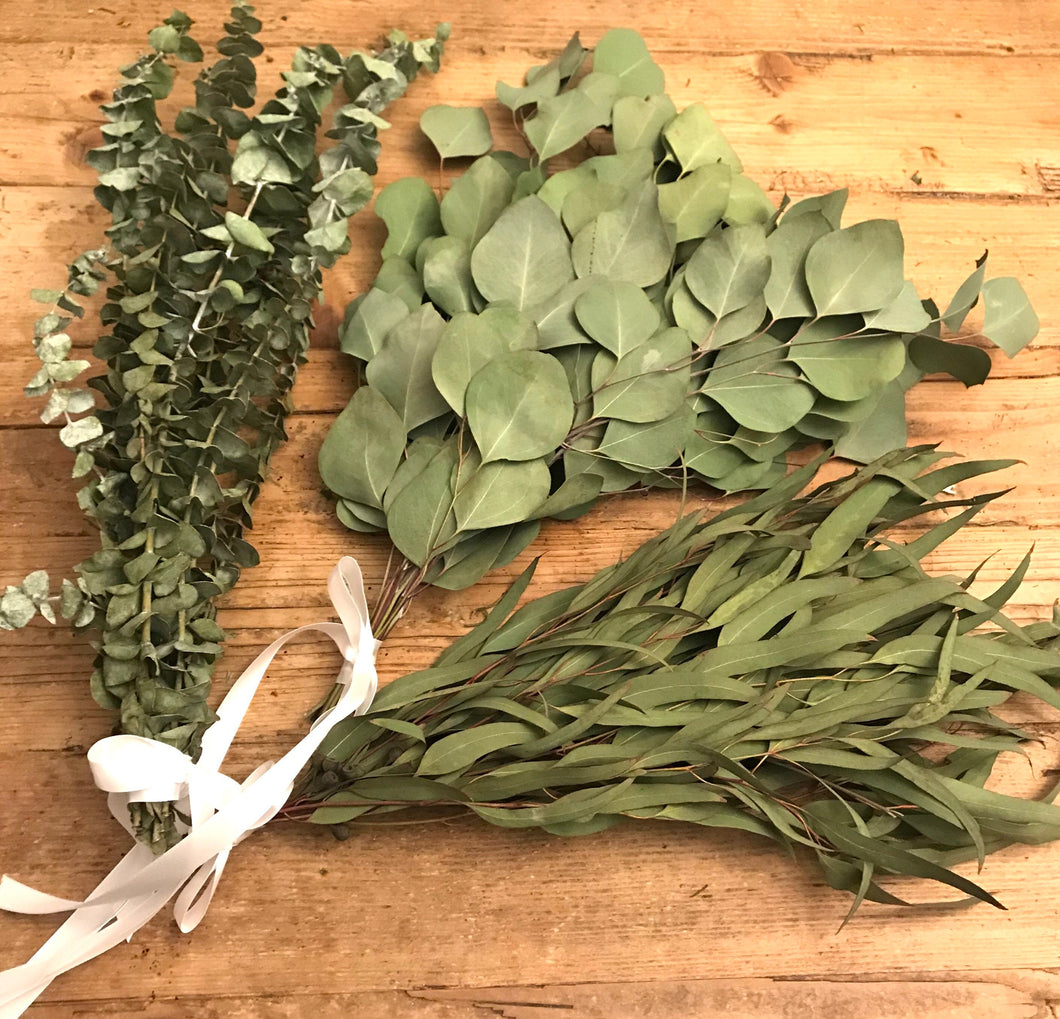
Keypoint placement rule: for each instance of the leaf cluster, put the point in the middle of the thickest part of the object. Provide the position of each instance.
(636, 318)
(784, 668)
(219, 231)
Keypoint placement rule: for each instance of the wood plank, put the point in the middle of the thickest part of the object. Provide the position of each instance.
(802, 130)
(929, 26)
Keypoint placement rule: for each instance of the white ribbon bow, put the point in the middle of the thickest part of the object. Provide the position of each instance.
(222, 812)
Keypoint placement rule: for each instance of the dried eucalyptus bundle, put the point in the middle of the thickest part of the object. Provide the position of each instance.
(645, 316)
(784, 668)
(220, 229)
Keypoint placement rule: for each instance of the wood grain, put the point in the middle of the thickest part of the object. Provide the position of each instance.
(454, 920)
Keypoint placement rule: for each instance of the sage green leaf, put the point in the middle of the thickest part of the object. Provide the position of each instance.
(625, 170)
(696, 202)
(966, 297)
(883, 429)
(729, 269)
(1008, 320)
(739, 325)
(757, 387)
(689, 314)
(499, 493)
(544, 86)
(247, 233)
(787, 293)
(519, 407)
(83, 430)
(617, 315)
(469, 342)
(457, 130)
(557, 186)
(447, 274)
(638, 122)
(649, 383)
(613, 477)
(631, 243)
(567, 63)
(363, 332)
(602, 89)
(16, 609)
(572, 498)
(906, 314)
(695, 141)
(420, 517)
(478, 553)
(562, 121)
(830, 206)
(359, 517)
(969, 365)
(458, 750)
(846, 367)
(529, 182)
(410, 211)
(398, 277)
(557, 324)
(762, 446)
(363, 448)
(649, 446)
(588, 201)
(577, 362)
(401, 371)
(475, 200)
(748, 203)
(525, 256)
(856, 269)
(622, 52)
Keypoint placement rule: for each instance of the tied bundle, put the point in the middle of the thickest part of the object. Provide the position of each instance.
(784, 668)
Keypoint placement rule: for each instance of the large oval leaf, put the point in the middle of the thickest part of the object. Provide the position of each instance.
(729, 269)
(475, 200)
(457, 130)
(420, 517)
(857, 269)
(846, 367)
(617, 315)
(649, 383)
(409, 209)
(787, 293)
(524, 258)
(519, 406)
(499, 493)
(460, 749)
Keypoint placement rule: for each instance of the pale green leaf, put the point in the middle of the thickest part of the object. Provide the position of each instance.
(363, 332)
(457, 130)
(695, 141)
(1008, 320)
(696, 202)
(475, 200)
(857, 269)
(729, 269)
(617, 315)
(623, 53)
(499, 493)
(410, 211)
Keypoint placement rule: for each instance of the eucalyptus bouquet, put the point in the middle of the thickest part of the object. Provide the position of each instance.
(644, 317)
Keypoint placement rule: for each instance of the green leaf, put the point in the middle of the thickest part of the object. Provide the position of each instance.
(830, 206)
(617, 315)
(525, 257)
(419, 517)
(447, 274)
(787, 293)
(857, 269)
(396, 276)
(562, 121)
(248, 233)
(695, 141)
(476, 199)
(499, 493)
(544, 86)
(651, 446)
(696, 202)
(622, 52)
(649, 383)
(459, 750)
(363, 333)
(256, 163)
(748, 203)
(882, 429)
(519, 407)
(638, 122)
(846, 367)
(1009, 320)
(906, 314)
(410, 211)
(363, 448)
(83, 430)
(557, 324)
(969, 365)
(401, 371)
(965, 299)
(469, 342)
(16, 609)
(729, 269)
(632, 243)
(457, 130)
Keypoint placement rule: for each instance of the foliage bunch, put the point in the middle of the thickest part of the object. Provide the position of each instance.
(784, 668)
(634, 318)
(220, 229)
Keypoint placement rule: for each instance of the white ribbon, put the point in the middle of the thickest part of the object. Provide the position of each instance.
(222, 812)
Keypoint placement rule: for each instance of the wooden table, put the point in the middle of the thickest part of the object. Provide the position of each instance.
(941, 114)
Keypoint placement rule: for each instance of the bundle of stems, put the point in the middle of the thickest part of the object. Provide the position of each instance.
(784, 668)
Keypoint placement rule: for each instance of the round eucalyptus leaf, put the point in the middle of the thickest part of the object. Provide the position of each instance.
(638, 122)
(410, 211)
(787, 293)
(564, 120)
(1009, 320)
(358, 517)
(617, 315)
(623, 53)
(905, 314)
(695, 140)
(856, 269)
(729, 269)
(647, 384)
(740, 325)
(748, 203)
(519, 407)
(447, 274)
(544, 86)
(846, 367)
(560, 184)
(363, 332)
(557, 324)
(651, 446)
(457, 130)
(501, 492)
(588, 201)
(420, 517)
(475, 199)
(696, 202)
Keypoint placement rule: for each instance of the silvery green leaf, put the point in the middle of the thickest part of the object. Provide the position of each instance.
(469, 559)
(410, 211)
(696, 202)
(626, 170)
(544, 86)
(966, 297)
(58, 401)
(401, 371)
(398, 277)
(557, 325)
(762, 446)
(883, 429)
(518, 406)
(830, 206)
(623, 53)
(420, 516)
(603, 89)
(16, 608)
(54, 348)
(529, 182)
(617, 315)
(360, 517)
(748, 203)
(638, 122)
(577, 362)
(71, 598)
(856, 269)
(36, 586)
(614, 477)
(729, 269)
(563, 120)
(470, 341)
(556, 188)
(83, 430)
(1009, 320)
(695, 141)
(968, 364)
(66, 371)
(649, 383)
(572, 498)
(905, 314)
(650, 446)
(246, 232)
(757, 387)
(447, 274)
(475, 200)
(787, 293)
(710, 456)
(631, 243)
(846, 367)
(739, 325)
(457, 130)
(690, 315)
(363, 448)
(588, 201)
(524, 258)
(363, 333)
(751, 474)
(499, 493)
